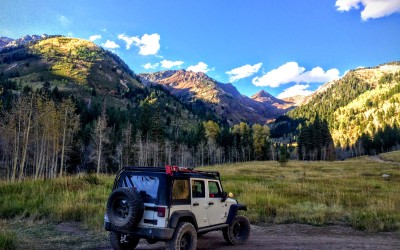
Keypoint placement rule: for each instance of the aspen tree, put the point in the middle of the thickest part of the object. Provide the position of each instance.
(25, 119)
(69, 126)
(126, 145)
(100, 137)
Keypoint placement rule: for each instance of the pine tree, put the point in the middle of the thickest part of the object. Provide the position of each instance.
(283, 155)
(260, 135)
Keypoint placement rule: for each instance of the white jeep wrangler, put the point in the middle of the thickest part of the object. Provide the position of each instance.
(172, 205)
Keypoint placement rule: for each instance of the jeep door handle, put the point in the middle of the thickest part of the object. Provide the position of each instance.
(211, 203)
(195, 204)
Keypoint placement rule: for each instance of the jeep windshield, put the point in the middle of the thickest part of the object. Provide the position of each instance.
(146, 184)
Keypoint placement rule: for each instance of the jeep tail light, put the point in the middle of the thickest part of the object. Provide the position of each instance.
(161, 211)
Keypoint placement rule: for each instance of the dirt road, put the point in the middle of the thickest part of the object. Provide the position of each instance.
(71, 236)
(296, 236)
(379, 159)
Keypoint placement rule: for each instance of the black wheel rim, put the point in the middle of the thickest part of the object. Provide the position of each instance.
(122, 239)
(238, 230)
(121, 208)
(186, 241)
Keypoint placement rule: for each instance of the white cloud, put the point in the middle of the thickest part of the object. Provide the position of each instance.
(297, 89)
(200, 67)
(169, 64)
(243, 72)
(164, 64)
(346, 5)
(372, 8)
(127, 39)
(284, 74)
(317, 74)
(94, 37)
(64, 21)
(110, 45)
(148, 44)
(150, 66)
(292, 72)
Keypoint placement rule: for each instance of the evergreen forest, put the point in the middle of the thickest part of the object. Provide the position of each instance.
(68, 106)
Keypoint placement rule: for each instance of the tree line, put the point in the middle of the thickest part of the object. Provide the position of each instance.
(36, 136)
(45, 133)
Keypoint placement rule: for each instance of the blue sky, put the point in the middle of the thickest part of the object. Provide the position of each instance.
(285, 47)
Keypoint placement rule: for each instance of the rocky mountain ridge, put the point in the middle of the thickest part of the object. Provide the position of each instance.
(42, 58)
(361, 103)
(266, 98)
(46, 58)
(77, 68)
(296, 100)
(222, 98)
(6, 42)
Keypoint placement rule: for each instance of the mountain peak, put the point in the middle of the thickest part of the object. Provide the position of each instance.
(223, 99)
(70, 60)
(267, 99)
(172, 77)
(262, 94)
(6, 42)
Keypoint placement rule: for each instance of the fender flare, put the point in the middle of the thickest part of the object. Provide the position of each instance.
(233, 211)
(182, 215)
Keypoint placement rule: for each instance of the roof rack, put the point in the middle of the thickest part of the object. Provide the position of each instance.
(170, 170)
(147, 169)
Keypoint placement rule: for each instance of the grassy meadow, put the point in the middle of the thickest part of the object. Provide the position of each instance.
(74, 198)
(391, 156)
(351, 192)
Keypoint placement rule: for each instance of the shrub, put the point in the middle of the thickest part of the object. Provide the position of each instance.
(7, 240)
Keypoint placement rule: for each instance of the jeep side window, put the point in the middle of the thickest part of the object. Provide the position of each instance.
(213, 189)
(180, 192)
(198, 190)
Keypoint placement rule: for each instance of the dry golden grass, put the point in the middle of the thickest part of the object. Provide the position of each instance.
(73, 198)
(391, 156)
(318, 193)
(8, 239)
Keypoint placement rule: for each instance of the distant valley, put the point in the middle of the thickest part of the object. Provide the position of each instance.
(83, 63)
(224, 99)
(181, 117)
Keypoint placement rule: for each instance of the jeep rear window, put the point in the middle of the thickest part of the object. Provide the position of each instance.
(180, 192)
(147, 186)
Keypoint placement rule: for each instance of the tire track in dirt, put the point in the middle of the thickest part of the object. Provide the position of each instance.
(297, 236)
(379, 159)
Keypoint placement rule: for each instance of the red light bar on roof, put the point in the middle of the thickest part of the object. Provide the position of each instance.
(173, 169)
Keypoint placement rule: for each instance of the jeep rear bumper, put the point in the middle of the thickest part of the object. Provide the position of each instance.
(144, 232)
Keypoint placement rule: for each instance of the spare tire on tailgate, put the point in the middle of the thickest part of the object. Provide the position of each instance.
(125, 208)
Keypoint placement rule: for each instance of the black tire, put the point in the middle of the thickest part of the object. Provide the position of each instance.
(123, 242)
(185, 238)
(125, 208)
(151, 241)
(238, 232)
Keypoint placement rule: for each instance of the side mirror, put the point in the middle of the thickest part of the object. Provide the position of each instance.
(224, 196)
